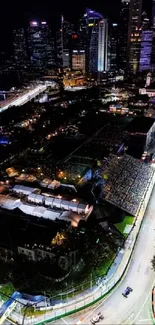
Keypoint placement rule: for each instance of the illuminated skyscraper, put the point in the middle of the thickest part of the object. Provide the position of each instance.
(67, 31)
(96, 42)
(78, 60)
(146, 49)
(113, 47)
(20, 49)
(153, 13)
(146, 44)
(40, 45)
(153, 39)
(123, 33)
(134, 35)
(102, 46)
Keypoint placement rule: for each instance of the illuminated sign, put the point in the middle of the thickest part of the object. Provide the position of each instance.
(44, 23)
(90, 25)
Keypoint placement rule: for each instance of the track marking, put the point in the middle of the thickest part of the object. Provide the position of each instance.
(91, 312)
(145, 301)
(64, 321)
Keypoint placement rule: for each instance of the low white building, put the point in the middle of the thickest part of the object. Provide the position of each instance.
(25, 190)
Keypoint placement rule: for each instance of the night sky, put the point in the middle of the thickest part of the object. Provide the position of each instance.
(15, 13)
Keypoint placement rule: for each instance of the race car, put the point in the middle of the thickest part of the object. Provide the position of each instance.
(97, 318)
(127, 292)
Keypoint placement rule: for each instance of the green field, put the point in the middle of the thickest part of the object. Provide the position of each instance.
(6, 291)
(128, 221)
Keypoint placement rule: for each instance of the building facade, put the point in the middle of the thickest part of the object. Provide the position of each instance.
(20, 49)
(134, 35)
(153, 37)
(113, 47)
(123, 33)
(41, 47)
(96, 42)
(146, 50)
(79, 60)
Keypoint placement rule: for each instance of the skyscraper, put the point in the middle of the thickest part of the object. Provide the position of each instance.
(123, 33)
(153, 13)
(153, 37)
(20, 49)
(40, 45)
(67, 32)
(78, 60)
(113, 46)
(134, 35)
(146, 44)
(146, 49)
(96, 42)
(102, 46)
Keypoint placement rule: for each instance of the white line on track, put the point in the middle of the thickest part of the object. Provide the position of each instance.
(64, 321)
(142, 305)
(91, 312)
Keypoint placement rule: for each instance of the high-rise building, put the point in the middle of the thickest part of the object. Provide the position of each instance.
(113, 47)
(123, 33)
(96, 42)
(20, 49)
(67, 32)
(153, 13)
(134, 35)
(146, 44)
(146, 50)
(79, 60)
(153, 37)
(41, 45)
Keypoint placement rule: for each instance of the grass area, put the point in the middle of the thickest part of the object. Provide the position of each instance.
(6, 291)
(102, 270)
(32, 312)
(128, 220)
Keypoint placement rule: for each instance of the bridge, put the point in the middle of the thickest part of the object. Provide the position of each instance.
(26, 96)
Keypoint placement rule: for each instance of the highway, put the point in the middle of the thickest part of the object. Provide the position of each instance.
(136, 309)
(25, 97)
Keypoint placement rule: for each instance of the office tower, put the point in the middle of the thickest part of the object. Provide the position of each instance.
(96, 42)
(40, 45)
(123, 34)
(79, 60)
(146, 50)
(102, 45)
(134, 35)
(59, 46)
(67, 32)
(20, 49)
(82, 29)
(113, 47)
(153, 13)
(146, 44)
(153, 37)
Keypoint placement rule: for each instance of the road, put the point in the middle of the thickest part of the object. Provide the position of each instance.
(25, 97)
(136, 309)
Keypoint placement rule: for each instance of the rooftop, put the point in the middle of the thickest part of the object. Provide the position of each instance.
(140, 124)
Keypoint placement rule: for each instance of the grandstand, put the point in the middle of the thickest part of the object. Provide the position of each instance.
(128, 180)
